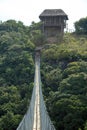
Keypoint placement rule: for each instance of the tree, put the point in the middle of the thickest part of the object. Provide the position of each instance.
(9, 121)
(85, 126)
(36, 35)
(16, 73)
(81, 26)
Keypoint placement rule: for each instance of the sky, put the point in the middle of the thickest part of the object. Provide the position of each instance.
(29, 10)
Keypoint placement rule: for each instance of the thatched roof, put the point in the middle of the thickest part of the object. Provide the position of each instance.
(53, 12)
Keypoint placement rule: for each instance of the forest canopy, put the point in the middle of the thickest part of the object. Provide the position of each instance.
(63, 74)
(81, 26)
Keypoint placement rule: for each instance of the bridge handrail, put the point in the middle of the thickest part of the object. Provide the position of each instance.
(28, 119)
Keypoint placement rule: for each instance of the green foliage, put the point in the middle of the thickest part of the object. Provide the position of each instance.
(16, 73)
(36, 35)
(85, 126)
(12, 25)
(75, 67)
(9, 121)
(64, 77)
(81, 26)
(63, 71)
(74, 84)
(37, 38)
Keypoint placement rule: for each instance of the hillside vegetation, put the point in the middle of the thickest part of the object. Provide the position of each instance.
(63, 73)
(16, 73)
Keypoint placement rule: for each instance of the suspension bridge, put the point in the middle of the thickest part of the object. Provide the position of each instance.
(36, 118)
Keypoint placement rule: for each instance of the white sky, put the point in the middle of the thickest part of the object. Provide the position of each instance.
(29, 10)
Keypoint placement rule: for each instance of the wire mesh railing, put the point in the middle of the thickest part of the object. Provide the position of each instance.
(28, 120)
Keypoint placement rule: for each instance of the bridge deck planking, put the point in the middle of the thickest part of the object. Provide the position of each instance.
(36, 125)
(37, 117)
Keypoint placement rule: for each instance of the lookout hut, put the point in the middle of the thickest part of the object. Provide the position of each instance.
(54, 22)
